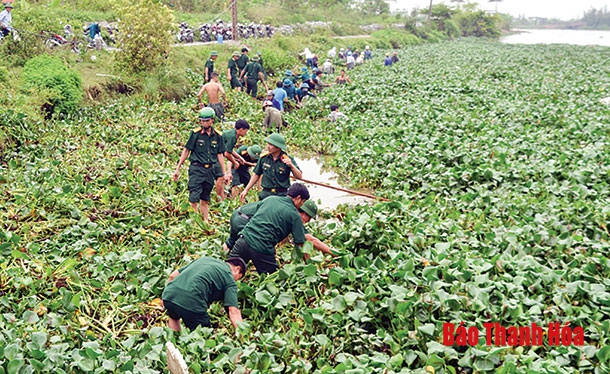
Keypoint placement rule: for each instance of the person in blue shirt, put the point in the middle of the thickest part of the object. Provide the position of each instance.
(388, 60)
(303, 92)
(289, 88)
(367, 53)
(280, 95)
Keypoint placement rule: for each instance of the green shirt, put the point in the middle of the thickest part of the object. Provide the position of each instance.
(242, 61)
(205, 148)
(230, 138)
(210, 65)
(201, 282)
(252, 70)
(275, 173)
(239, 218)
(243, 152)
(275, 218)
(233, 68)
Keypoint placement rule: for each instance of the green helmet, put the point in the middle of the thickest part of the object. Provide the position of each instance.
(277, 140)
(310, 208)
(206, 113)
(254, 151)
(214, 53)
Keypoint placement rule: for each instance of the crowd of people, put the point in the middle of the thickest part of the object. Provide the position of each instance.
(289, 92)
(283, 207)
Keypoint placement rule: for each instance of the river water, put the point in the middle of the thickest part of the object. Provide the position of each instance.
(576, 37)
(325, 197)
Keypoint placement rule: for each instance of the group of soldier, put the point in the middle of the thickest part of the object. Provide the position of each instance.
(256, 228)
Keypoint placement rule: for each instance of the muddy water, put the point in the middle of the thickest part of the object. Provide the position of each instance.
(326, 198)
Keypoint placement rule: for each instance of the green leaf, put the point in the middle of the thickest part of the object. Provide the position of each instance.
(264, 297)
(18, 254)
(427, 328)
(604, 354)
(14, 366)
(483, 364)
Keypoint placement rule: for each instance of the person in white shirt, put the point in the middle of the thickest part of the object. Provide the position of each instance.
(327, 67)
(350, 62)
(6, 19)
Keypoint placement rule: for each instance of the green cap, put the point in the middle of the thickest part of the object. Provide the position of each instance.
(255, 151)
(206, 113)
(214, 53)
(277, 140)
(235, 54)
(255, 58)
(8, 5)
(310, 208)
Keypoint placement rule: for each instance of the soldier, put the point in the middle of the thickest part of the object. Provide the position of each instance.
(233, 72)
(275, 218)
(241, 216)
(204, 148)
(253, 72)
(248, 156)
(209, 66)
(275, 167)
(242, 61)
(192, 288)
(231, 138)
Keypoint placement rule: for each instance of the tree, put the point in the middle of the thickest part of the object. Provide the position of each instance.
(374, 7)
(145, 32)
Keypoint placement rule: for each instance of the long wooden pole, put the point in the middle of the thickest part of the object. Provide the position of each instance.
(234, 20)
(343, 189)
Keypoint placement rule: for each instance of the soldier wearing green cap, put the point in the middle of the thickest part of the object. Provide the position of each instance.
(242, 61)
(275, 167)
(209, 66)
(241, 176)
(253, 72)
(260, 61)
(275, 218)
(241, 216)
(309, 211)
(233, 71)
(204, 148)
(231, 137)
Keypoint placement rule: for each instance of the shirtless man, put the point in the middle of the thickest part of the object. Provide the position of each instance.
(214, 90)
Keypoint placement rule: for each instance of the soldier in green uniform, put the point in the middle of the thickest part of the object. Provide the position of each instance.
(241, 216)
(241, 175)
(275, 218)
(192, 288)
(230, 138)
(260, 61)
(242, 61)
(209, 66)
(275, 167)
(233, 72)
(204, 148)
(253, 73)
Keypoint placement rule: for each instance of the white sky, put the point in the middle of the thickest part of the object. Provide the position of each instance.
(561, 9)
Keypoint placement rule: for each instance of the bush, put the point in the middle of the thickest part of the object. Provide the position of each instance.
(30, 23)
(144, 35)
(59, 86)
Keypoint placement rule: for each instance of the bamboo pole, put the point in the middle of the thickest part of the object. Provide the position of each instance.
(343, 189)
